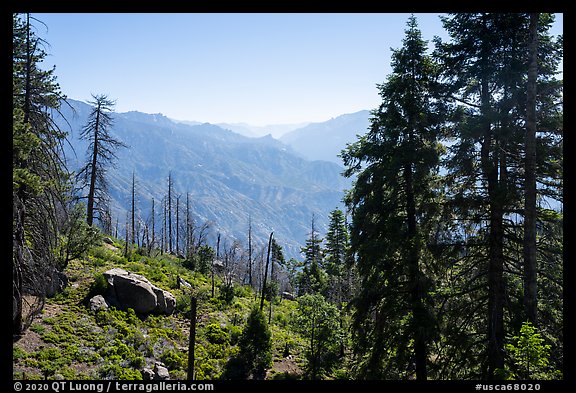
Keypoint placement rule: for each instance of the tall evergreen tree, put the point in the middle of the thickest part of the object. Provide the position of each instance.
(339, 271)
(265, 278)
(38, 173)
(276, 261)
(337, 242)
(485, 71)
(483, 144)
(530, 280)
(392, 201)
(312, 278)
(542, 145)
(336, 254)
(313, 249)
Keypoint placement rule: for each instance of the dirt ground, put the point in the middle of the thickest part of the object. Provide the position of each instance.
(285, 366)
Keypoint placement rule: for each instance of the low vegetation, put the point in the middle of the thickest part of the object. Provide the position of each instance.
(68, 340)
(447, 265)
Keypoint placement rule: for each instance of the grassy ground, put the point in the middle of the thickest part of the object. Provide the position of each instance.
(68, 340)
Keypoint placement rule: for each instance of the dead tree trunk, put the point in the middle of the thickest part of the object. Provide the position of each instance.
(218, 259)
(192, 340)
(265, 273)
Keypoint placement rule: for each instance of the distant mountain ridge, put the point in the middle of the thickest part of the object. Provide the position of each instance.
(229, 177)
(276, 130)
(249, 130)
(325, 140)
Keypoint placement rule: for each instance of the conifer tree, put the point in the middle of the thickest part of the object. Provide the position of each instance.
(39, 180)
(485, 70)
(255, 349)
(339, 271)
(313, 248)
(336, 253)
(312, 278)
(393, 200)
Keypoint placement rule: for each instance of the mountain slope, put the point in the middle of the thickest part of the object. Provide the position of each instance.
(71, 340)
(324, 141)
(229, 177)
(276, 130)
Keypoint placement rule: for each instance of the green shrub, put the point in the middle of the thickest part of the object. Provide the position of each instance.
(281, 319)
(317, 321)
(183, 302)
(52, 337)
(69, 373)
(18, 353)
(235, 334)
(37, 328)
(119, 352)
(206, 369)
(342, 374)
(116, 371)
(50, 360)
(174, 359)
(243, 291)
(530, 355)
(285, 376)
(227, 293)
(216, 335)
(124, 321)
(99, 285)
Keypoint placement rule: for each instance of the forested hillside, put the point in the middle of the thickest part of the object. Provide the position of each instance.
(142, 257)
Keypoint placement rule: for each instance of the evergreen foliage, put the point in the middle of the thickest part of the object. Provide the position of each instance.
(312, 278)
(486, 174)
(39, 179)
(451, 266)
(255, 344)
(530, 356)
(394, 201)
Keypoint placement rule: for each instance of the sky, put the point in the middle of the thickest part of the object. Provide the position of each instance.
(259, 69)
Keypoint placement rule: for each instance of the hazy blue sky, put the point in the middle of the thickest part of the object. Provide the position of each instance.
(254, 68)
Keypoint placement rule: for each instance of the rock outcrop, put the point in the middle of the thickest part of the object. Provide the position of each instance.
(160, 372)
(288, 295)
(98, 302)
(130, 290)
(55, 281)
